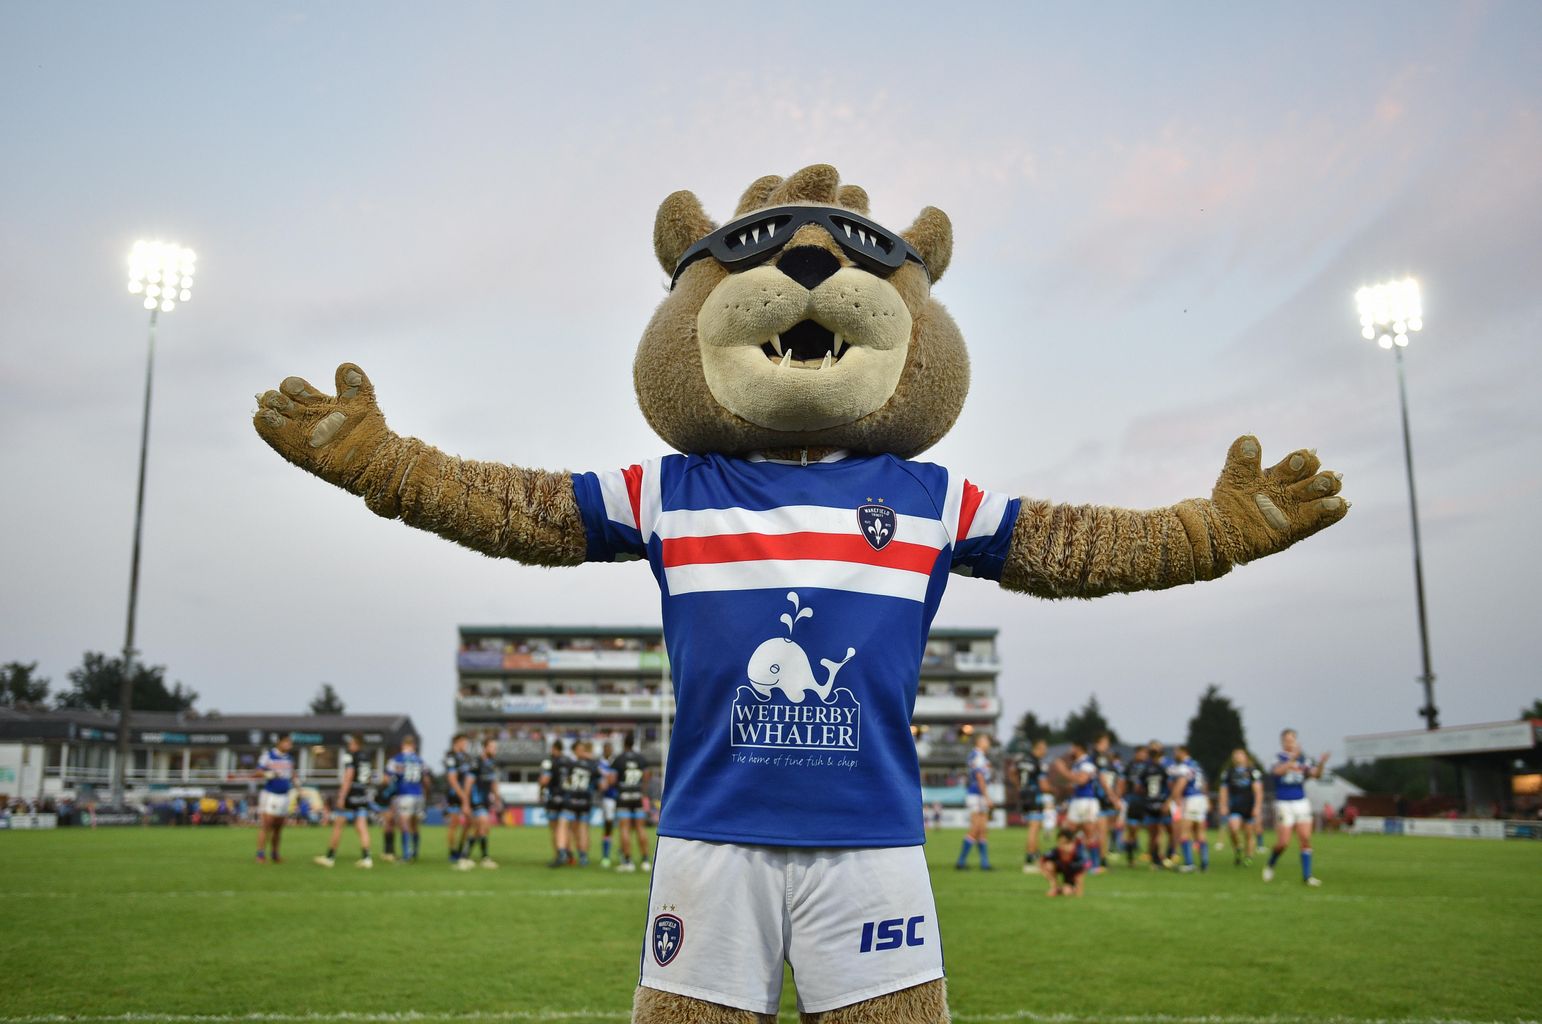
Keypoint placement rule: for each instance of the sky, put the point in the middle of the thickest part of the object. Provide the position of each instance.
(1161, 216)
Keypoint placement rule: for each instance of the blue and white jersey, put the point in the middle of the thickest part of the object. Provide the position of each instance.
(796, 603)
(1182, 772)
(1291, 783)
(1086, 790)
(406, 771)
(978, 772)
(277, 770)
(609, 792)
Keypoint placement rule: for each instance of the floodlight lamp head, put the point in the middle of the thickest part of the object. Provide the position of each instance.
(162, 272)
(1389, 311)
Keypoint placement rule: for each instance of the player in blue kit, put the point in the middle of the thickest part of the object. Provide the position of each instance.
(407, 771)
(1242, 805)
(1084, 811)
(977, 779)
(1292, 809)
(607, 801)
(1191, 808)
(277, 768)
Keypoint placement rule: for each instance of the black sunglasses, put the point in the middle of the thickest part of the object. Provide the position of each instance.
(753, 239)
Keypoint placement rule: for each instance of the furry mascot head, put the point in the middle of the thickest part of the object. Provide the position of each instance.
(800, 362)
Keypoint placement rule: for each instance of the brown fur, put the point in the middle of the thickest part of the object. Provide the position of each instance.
(1091, 550)
(505, 511)
(926, 1003)
(651, 1006)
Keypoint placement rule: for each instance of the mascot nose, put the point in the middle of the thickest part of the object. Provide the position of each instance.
(808, 264)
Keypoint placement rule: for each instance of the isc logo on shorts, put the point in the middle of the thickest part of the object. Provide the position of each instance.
(893, 933)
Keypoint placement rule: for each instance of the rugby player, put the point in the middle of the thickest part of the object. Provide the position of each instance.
(1292, 809)
(1133, 811)
(385, 799)
(1242, 802)
(978, 801)
(484, 803)
(1035, 799)
(457, 795)
(578, 801)
(353, 802)
(1109, 796)
(1191, 808)
(554, 775)
(631, 776)
(1083, 812)
(277, 767)
(607, 801)
(1065, 866)
(407, 771)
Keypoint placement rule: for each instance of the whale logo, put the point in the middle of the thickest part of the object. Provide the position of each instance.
(780, 664)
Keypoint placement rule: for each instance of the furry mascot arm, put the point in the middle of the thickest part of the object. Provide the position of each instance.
(1089, 551)
(529, 515)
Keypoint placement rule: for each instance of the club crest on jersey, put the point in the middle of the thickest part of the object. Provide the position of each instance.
(668, 934)
(878, 523)
(774, 711)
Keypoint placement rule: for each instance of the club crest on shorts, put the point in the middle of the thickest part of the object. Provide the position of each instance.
(668, 934)
(877, 523)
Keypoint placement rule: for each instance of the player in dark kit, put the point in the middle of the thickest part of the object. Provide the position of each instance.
(355, 802)
(1135, 804)
(630, 773)
(1153, 788)
(1066, 865)
(554, 777)
(458, 771)
(583, 782)
(484, 799)
(1035, 798)
(1242, 802)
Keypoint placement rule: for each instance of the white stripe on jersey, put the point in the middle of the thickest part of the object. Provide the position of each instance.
(768, 573)
(618, 504)
(951, 506)
(714, 522)
(987, 518)
(650, 502)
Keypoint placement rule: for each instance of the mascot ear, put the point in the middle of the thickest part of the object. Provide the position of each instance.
(680, 222)
(932, 237)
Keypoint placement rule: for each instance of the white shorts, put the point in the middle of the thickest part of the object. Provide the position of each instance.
(853, 923)
(1082, 811)
(410, 806)
(1196, 808)
(608, 807)
(974, 803)
(1290, 813)
(274, 805)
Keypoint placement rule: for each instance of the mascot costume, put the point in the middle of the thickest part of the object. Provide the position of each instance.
(799, 364)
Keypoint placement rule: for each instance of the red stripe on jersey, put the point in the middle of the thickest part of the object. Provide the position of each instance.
(633, 477)
(827, 547)
(968, 505)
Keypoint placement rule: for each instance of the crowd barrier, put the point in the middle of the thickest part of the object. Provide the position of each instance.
(1448, 828)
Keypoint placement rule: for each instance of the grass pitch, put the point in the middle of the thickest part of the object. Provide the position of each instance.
(178, 925)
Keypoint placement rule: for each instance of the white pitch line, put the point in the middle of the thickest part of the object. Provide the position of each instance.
(310, 893)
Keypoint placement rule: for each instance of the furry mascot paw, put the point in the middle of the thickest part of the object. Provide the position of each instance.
(799, 363)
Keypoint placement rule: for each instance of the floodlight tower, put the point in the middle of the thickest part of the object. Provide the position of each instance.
(162, 272)
(1389, 312)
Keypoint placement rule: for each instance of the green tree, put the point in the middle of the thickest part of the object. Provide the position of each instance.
(1031, 727)
(1535, 711)
(1215, 731)
(98, 681)
(1086, 724)
(326, 701)
(19, 688)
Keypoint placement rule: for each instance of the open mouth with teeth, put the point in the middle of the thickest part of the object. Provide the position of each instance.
(806, 345)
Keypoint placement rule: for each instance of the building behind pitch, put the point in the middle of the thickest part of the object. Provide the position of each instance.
(529, 685)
